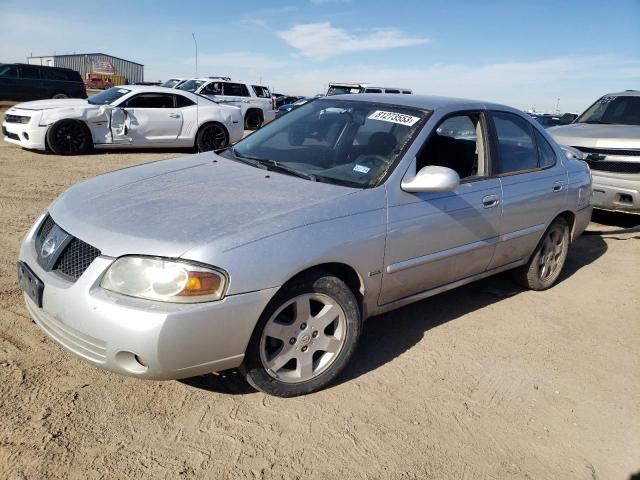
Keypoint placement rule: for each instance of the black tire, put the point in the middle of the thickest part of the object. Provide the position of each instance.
(253, 120)
(60, 95)
(69, 137)
(546, 263)
(314, 283)
(211, 136)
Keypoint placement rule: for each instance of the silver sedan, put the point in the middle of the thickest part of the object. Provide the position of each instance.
(269, 255)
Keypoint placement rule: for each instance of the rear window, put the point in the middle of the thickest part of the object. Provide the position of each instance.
(262, 92)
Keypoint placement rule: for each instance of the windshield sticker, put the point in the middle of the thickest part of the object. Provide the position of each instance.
(609, 98)
(361, 169)
(122, 90)
(394, 117)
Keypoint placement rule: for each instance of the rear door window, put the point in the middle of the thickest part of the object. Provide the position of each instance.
(29, 72)
(182, 101)
(235, 89)
(516, 148)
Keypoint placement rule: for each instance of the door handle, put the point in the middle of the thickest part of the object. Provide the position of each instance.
(174, 115)
(558, 187)
(490, 201)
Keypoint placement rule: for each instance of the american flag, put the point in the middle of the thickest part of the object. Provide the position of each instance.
(103, 67)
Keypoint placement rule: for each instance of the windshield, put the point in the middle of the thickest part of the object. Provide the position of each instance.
(302, 101)
(191, 85)
(109, 96)
(170, 83)
(329, 140)
(613, 109)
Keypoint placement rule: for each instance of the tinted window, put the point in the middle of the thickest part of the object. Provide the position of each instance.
(213, 88)
(151, 100)
(235, 90)
(546, 155)
(457, 143)
(408, 92)
(373, 90)
(262, 92)
(515, 144)
(183, 101)
(191, 85)
(389, 90)
(8, 71)
(29, 72)
(55, 74)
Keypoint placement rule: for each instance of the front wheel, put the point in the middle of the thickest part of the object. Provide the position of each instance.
(545, 265)
(211, 136)
(69, 137)
(304, 338)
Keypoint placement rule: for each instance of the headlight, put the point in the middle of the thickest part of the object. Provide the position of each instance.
(164, 280)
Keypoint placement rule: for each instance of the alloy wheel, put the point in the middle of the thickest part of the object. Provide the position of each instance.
(213, 137)
(303, 338)
(550, 259)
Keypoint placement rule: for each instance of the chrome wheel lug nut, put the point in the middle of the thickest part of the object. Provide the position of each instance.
(292, 340)
(303, 326)
(304, 349)
(314, 334)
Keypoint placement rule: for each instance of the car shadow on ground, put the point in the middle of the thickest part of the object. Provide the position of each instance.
(387, 336)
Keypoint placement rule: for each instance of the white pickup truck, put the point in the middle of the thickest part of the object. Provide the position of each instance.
(255, 101)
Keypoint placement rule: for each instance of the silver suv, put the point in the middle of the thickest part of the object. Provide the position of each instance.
(254, 101)
(608, 134)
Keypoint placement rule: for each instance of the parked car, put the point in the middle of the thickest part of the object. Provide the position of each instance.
(345, 88)
(553, 120)
(173, 82)
(19, 81)
(254, 100)
(98, 83)
(281, 100)
(269, 255)
(608, 134)
(290, 106)
(123, 117)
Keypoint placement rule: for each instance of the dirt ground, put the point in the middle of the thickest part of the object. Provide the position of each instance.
(484, 382)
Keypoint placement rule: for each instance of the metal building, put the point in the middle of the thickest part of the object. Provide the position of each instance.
(119, 70)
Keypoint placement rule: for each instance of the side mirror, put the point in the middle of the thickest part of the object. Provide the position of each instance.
(431, 179)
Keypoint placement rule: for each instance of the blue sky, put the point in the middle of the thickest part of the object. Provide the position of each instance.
(524, 53)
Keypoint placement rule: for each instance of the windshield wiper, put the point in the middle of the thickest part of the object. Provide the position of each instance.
(271, 165)
(278, 167)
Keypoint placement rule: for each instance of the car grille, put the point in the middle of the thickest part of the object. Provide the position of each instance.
(610, 151)
(75, 258)
(13, 136)
(16, 119)
(614, 167)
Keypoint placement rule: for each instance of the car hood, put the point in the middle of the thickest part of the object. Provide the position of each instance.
(52, 103)
(169, 207)
(597, 136)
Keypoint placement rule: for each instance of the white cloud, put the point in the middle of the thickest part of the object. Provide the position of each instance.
(320, 41)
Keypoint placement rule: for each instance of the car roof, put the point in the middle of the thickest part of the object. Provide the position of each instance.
(424, 102)
(626, 93)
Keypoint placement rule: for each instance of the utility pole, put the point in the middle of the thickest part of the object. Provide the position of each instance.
(196, 44)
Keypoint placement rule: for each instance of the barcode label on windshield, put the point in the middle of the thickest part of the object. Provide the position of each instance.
(394, 117)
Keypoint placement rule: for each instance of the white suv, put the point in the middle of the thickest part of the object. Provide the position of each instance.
(254, 101)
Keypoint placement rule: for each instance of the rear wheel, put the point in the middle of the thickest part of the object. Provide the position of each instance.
(69, 137)
(304, 338)
(545, 265)
(60, 95)
(252, 120)
(211, 136)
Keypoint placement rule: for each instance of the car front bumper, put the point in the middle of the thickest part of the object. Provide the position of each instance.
(617, 192)
(140, 338)
(26, 135)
